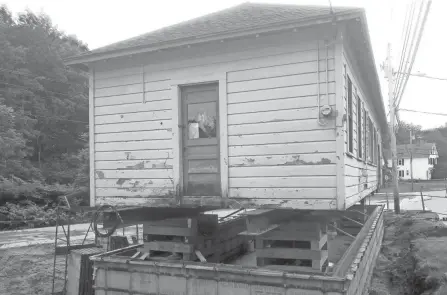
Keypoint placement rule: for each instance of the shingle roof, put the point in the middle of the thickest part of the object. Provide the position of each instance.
(420, 150)
(242, 17)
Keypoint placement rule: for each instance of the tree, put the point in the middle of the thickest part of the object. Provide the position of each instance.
(43, 103)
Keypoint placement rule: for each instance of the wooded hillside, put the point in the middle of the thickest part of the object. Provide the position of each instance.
(43, 113)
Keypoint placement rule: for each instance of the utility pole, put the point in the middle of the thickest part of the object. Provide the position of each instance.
(411, 159)
(390, 77)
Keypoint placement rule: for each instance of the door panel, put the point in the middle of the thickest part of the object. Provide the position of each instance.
(201, 175)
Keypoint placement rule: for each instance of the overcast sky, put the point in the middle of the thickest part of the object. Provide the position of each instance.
(101, 22)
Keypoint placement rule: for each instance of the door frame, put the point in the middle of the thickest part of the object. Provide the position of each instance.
(177, 130)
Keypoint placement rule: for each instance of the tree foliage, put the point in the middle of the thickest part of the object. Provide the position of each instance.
(43, 109)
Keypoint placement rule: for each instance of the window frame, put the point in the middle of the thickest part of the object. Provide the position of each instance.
(350, 112)
(359, 128)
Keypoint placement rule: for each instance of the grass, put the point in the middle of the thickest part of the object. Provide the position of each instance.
(413, 258)
(426, 185)
(29, 270)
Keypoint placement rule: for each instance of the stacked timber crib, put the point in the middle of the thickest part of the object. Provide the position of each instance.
(205, 238)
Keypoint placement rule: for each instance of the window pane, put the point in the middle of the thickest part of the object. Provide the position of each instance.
(202, 118)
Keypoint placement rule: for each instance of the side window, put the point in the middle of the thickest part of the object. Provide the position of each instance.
(359, 127)
(350, 119)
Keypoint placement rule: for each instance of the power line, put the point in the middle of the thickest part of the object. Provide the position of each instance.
(428, 77)
(422, 112)
(420, 34)
(407, 62)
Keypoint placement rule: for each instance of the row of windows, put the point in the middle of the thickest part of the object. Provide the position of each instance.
(367, 138)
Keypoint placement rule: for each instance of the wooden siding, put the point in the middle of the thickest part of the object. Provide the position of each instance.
(276, 148)
(360, 173)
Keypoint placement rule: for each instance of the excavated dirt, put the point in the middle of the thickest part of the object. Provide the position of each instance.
(413, 258)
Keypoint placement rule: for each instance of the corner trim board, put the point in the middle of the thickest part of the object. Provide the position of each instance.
(340, 134)
(91, 124)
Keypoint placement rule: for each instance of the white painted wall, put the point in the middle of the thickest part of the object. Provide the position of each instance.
(420, 168)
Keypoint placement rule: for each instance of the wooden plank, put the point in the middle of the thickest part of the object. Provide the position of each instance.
(177, 142)
(168, 247)
(278, 70)
(134, 126)
(288, 253)
(119, 99)
(134, 155)
(133, 136)
(203, 166)
(119, 90)
(134, 145)
(167, 231)
(276, 82)
(273, 104)
(301, 170)
(111, 195)
(272, 127)
(281, 160)
(297, 235)
(283, 182)
(134, 164)
(133, 183)
(134, 117)
(223, 136)
(135, 174)
(133, 107)
(273, 116)
(283, 193)
(91, 124)
(132, 98)
(118, 81)
(281, 149)
(157, 85)
(283, 92)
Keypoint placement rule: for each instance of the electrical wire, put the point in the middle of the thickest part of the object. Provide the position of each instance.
(413, 58)
(405, 34)
(110, 231)
(422, 112)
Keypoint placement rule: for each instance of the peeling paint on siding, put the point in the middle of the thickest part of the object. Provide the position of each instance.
(100, 174)
(121, 181)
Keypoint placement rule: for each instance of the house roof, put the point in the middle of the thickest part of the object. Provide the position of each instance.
(243, 17)
(419, 150)
(243, 20)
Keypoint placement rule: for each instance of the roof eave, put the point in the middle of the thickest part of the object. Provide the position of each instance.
(93, 57)
(381, 105)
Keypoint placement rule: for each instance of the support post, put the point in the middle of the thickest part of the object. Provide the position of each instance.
(389, 74)
(411, 160)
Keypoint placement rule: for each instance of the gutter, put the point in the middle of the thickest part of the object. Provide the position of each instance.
(98, 56)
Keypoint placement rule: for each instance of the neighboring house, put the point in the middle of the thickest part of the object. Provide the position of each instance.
(259, 105)
(425, 157)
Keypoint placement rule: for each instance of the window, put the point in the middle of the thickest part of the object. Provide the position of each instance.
(350, 122)
(408, 172)
(401, 173)
(400, 162)
(364, 133)
(359, 127)
(370, 140)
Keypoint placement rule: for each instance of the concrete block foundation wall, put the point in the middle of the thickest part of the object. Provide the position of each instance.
(117, 275)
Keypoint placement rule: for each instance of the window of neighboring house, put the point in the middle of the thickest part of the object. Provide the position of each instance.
(408, 172)
(400, 162)
(359, 127)
(350, 119)
(401, 173)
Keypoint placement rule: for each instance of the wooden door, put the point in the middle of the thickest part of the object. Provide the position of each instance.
(201, 175)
